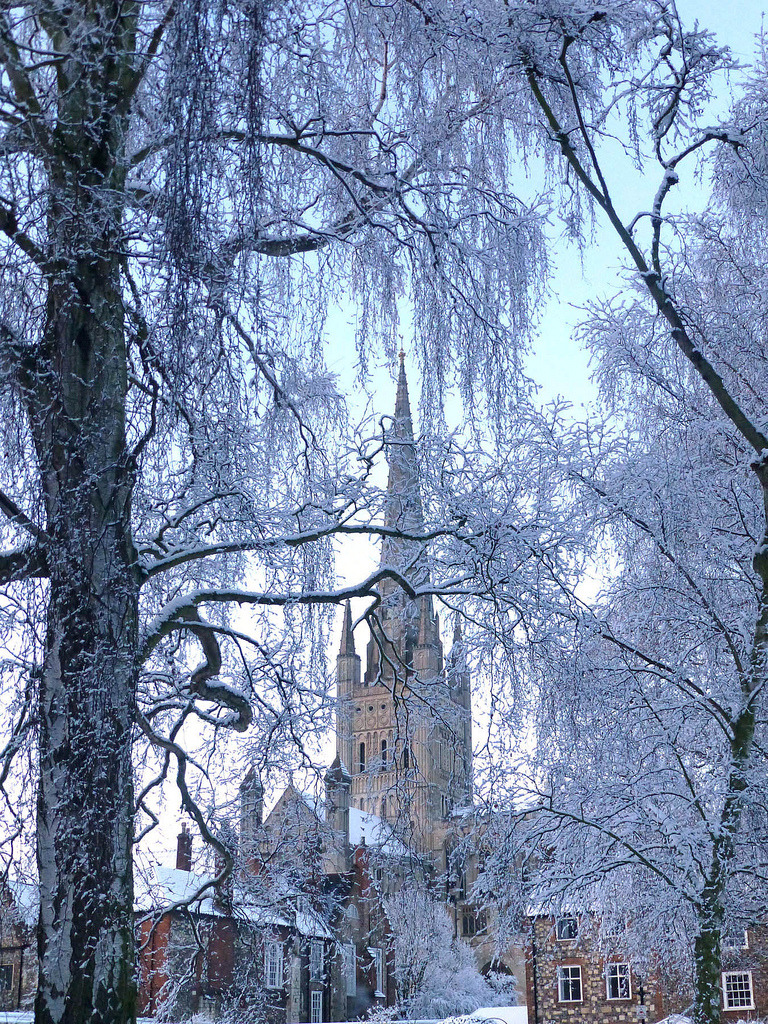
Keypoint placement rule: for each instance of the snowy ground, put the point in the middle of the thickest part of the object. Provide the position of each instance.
(502, 1014)
(28, 1017)
(505, 1014)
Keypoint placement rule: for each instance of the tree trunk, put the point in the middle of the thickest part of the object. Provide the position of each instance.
(76, 390)
(707, 945)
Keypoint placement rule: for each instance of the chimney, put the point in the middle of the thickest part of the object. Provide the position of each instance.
(184, 849)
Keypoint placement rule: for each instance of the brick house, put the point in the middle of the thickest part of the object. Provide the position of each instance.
(745, 974)
(576, 973)
(231, 950)
(304, 940)
(18, 953)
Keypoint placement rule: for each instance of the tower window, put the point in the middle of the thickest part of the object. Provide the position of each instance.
(362, 757)
(406, 758)
(383, 754)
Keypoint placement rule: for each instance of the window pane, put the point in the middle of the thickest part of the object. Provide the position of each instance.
(350, 969)
(737, 988)
(316, 961)
(566, 928)
(317, 1007)
(569, 984)
(617, 981)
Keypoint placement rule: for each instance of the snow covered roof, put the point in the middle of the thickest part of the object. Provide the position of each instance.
(26, 897)
(172, 886)
(371, 830)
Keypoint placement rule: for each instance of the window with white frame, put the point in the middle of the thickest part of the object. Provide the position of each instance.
(735, 939)
(377, 955)
(349, 968)
(273, 964)
(316, 1007)
(737, 990)
(566, 928)
(617, 981)
(569, 983)
(316, 960)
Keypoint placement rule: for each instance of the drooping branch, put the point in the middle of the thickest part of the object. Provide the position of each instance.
(175, 613)
(172, 558)
(200, 680)
(651, 278)
(191, 807)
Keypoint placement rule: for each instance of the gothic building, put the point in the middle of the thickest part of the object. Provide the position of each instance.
(397, 812)
(403, 725)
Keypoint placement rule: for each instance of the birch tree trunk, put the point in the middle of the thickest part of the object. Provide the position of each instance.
(76, 391)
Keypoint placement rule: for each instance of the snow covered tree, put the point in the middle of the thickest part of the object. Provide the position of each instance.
(647, 794)
(185, 188)
(436, 974)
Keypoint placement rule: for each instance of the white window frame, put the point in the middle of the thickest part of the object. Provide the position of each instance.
(559, 927)
(727, 1004)
(568, 978)
(377, 956)
(349, 963)
(316, 957)
(618, 972)
(273, 963)
(731, 941)
(316, 1006)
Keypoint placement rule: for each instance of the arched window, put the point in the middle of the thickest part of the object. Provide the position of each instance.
(383, 755)
(406, 757)
(362, 757)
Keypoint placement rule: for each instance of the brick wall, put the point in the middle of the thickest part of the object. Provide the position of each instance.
(750, 956)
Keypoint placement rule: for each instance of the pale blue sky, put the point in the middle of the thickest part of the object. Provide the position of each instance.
(558, 365)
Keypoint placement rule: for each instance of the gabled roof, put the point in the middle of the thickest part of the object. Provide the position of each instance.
(26, 899)
(172, 886)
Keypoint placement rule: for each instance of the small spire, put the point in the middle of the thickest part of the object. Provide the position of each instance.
(401, 354)
(403, 426)
(457, 637)
(426, 625)
(347, 637)
(337, 774)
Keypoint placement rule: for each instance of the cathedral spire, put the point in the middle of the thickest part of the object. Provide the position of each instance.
(347, 637)
(403, 509)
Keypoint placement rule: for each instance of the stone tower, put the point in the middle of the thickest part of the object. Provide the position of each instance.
(403, 728)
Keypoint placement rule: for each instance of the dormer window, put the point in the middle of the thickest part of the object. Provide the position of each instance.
(567, 928)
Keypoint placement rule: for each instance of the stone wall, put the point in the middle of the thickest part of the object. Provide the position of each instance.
(546, 954)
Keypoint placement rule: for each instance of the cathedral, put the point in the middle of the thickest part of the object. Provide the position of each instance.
(404, 723)
(303, 927)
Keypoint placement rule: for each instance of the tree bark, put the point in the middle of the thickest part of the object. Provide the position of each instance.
(76, 391)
